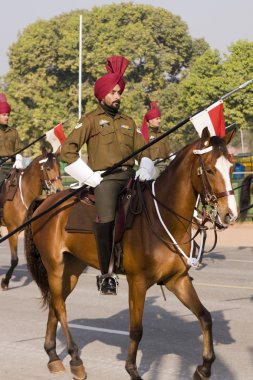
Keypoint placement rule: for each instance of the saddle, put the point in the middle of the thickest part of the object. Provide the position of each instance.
(9, 186)
(83, 215)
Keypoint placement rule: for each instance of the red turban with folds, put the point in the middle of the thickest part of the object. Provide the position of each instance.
(4, 106)
(152, 113)
(116, 66)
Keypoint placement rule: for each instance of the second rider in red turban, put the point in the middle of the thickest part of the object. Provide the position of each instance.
(150, 130)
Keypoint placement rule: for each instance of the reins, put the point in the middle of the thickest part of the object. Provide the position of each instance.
(208, 198)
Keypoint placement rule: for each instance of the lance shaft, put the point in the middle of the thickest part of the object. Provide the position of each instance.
(108, 171)
(30, 144)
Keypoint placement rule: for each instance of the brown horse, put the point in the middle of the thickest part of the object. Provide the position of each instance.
(43, 174)
(56, 258)
(245, 195)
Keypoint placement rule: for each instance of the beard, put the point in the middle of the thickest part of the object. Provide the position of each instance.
(116, 104)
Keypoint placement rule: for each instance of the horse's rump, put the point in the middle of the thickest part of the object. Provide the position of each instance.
(245, 195)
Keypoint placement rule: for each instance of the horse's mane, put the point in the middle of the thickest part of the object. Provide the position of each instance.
(217, 142)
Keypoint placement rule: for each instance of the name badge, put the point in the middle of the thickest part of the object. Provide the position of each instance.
(126, 127)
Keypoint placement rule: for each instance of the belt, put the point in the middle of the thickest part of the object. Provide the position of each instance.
(121, 169)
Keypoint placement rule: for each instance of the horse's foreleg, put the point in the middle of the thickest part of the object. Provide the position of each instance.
(137, 293)
(13, 241)
(185, 292)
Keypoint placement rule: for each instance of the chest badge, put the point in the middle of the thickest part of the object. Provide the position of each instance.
(126, 127)
(104, 123)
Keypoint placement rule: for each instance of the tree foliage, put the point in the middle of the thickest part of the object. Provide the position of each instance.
(42, 84)
(210, 77)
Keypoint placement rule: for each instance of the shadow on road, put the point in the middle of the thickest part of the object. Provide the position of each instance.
(164, 334)
(20, 275)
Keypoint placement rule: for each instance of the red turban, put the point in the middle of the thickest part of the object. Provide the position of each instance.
(4, 106)
(152, 113)
(116, 66)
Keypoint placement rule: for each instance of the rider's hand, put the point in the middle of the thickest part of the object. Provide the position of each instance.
(146, 170)
(143, 174)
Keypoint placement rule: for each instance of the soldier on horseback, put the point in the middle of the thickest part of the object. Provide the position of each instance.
(151, 130)
(9, 143)
(110, 137)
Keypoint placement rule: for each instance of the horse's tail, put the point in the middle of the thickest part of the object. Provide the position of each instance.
(245, 196)
(33, 258)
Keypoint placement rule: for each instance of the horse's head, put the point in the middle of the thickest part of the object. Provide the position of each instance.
(50, 172)
(212, 177)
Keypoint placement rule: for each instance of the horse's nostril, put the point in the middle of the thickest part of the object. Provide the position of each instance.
(227, 219)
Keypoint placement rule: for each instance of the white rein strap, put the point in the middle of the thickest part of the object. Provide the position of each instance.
(20, 190)
(192, 261)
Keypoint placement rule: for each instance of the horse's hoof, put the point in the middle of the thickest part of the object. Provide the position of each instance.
(56, 366)
(4, 284)
(78, 372)
(198, 376)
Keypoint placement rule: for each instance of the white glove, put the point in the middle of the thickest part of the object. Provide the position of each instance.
(146, 170)
(83, 173)
(19, 162)
(94, 179)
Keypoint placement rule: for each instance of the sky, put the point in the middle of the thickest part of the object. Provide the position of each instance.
(220, 22)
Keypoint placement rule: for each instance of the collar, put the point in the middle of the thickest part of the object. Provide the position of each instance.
(100, 111)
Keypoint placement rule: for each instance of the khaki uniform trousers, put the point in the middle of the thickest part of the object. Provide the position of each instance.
(107, 193)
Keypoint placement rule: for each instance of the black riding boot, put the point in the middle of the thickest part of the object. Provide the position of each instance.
(107, 283)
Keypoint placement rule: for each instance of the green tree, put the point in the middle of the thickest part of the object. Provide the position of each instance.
(210, 76)
(43, 78)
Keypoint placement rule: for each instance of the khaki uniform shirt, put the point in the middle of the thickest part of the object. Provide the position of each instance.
(108, 139)
(161, 149)
(9, 140)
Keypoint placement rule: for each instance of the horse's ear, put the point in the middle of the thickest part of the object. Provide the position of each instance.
(43, 150)
(229, 136)
(205, 136)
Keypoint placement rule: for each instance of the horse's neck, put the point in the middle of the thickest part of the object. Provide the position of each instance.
(174, 189)
(31, 184)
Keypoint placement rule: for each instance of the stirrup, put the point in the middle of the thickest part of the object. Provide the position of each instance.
(108, 284)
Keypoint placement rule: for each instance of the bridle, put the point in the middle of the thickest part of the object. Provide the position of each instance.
(208, 197)
(47, 182)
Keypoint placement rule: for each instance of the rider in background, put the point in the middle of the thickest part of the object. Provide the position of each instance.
(150, 130)
(9, 142)
(110, 137)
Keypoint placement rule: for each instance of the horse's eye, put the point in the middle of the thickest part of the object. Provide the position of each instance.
(209, 171)
(48, 168)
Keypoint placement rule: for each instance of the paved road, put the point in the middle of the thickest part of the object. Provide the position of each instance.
(171, 346)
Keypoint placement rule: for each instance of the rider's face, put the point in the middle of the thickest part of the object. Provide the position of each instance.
(154, 123)
(113, 98)
(4, 117)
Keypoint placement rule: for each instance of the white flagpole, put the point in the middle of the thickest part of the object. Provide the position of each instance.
(80, 69)
(237, 89)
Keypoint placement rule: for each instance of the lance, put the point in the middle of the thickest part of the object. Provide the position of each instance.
(115, 166)
(33, 142)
